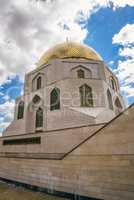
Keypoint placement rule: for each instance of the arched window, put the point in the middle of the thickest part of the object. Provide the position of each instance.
(80, 73)
(109, 98)
(86, 96)
(113, 84)
(20, 110)
(118, 106)
(39, 118)
(55, 99)
(39, 82)
(118, 103)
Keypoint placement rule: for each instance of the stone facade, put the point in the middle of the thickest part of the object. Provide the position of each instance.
(63, 74)
(100, 166)
(73, 146)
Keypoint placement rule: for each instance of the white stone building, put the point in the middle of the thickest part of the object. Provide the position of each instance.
(71, 87)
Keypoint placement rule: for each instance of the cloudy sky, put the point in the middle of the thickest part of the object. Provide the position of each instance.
(29, 27)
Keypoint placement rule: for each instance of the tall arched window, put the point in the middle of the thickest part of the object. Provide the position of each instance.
(118, 103)
(113, 84)
(109, 98)
(20, 110)
(55, 99)
(39, 118)
(39, 82)
(86, 96)
(80, 73)
(118, 106)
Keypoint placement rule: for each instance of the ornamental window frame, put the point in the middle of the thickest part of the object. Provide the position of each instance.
(20, 112)
(55, 99)
(86, 96)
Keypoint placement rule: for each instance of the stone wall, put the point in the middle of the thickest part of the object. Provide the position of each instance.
(52, 142)
(102, 166)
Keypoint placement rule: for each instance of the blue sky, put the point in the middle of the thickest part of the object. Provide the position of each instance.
(103, 25)
(28, 29)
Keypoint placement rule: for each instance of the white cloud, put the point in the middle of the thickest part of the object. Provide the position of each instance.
(127, 52)
(29, 27)
(122, 3)
(128, 90)
(126, 71)
(111, 63)
(7, 109)
(125, 37)
(6, 114)
(125, 68)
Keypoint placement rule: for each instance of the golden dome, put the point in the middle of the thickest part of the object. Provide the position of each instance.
(69, 50)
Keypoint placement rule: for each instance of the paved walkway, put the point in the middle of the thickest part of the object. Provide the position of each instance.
(10, 192)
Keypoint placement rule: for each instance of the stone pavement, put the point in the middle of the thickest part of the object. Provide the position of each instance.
(10, 192)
